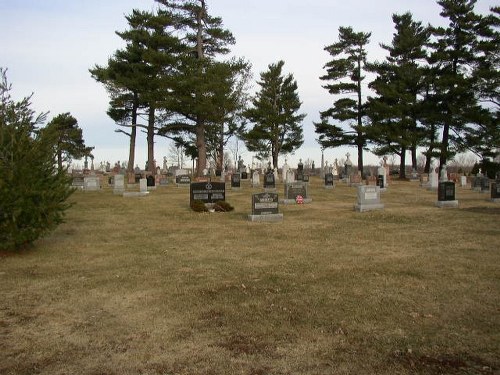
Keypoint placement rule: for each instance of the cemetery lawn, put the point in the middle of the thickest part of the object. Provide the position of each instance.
(146, 286)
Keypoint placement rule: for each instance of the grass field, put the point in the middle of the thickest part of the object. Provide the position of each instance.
(146, 286)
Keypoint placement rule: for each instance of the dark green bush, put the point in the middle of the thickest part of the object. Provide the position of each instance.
(33, 191)
(198, 206)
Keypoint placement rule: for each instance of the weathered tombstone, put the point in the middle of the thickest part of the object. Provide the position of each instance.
(446, 195)
(368, 198)
(290, 176)
(235, 181)
(91, 183)
(138, 177)
(380, 181)
(414, 176)
(294, 189)
(207, 192)
(433, 179)
(300, 171)
(265, 208)
(476, 183)
(78, 182)
(143, 185)
(348, 167)
(329, 184)
(305, 178)
(463, 181)
(485, 184)
(495, 189)
(382, 177)
(255, 178)
(183, 180)
(269, 181)
(119, 184)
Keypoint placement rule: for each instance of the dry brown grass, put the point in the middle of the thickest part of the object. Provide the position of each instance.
(146, 286)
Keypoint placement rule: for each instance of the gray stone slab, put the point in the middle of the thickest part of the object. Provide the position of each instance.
(447, 204)
(292, 201)
(273, 218)
(368, 207)
(131, 194)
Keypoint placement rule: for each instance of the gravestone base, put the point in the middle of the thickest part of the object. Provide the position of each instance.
(293, 201)
(151, 188)
(368, 207)
(271, 218)
(329, 187)
(447, 204)
(235, 188)
(495, 200)
(270, 190)
(133, 194)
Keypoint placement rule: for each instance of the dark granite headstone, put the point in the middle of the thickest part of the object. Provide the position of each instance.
(150, 181)
(269, 180)
(380, 181)
(294, 189)
(329, 179)
(235, 180)
(495, 190)
(265, 204)
(446, 191)
(183, 179)
(485, 184)
(138, 177)
(244, 175)
(208, 192)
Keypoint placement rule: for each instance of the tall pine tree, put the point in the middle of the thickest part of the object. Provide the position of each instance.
(453, 96)
(277, 127)
(400, 83)
(345, 72)
(193, 94)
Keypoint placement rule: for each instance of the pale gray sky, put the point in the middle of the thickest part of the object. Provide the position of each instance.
(48, 47)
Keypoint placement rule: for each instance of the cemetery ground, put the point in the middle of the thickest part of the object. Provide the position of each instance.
(146, 286)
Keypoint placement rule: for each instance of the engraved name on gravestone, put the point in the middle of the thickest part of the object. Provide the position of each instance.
(265, 204)
(368, 198)
(208, 192)
(183, 180)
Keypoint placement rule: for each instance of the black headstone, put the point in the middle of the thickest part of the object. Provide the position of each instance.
(269, 181)
(265, 204)
(495, 190)
(244, 175)
(294, 189)
(380, 181)
(329, 179)
(208, 192)
(235, 180)
(446, 191)
(150, 180)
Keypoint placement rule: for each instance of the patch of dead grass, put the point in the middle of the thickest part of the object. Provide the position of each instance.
(147, 286)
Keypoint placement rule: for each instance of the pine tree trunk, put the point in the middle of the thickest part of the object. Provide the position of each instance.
(360, 140)
(220, 150)
(402, 164)
(444, 146)
(150, 139)
(133, 135)
(201, 146)
(414, 162)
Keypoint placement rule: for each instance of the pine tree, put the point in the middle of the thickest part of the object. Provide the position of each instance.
(193, 95)
(69, 138)
(345, 71)
(142, 75)
(277, 127)
(453, 94)
(33, 191)
(400, 83)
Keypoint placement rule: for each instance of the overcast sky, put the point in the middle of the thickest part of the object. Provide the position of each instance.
(49, 45)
